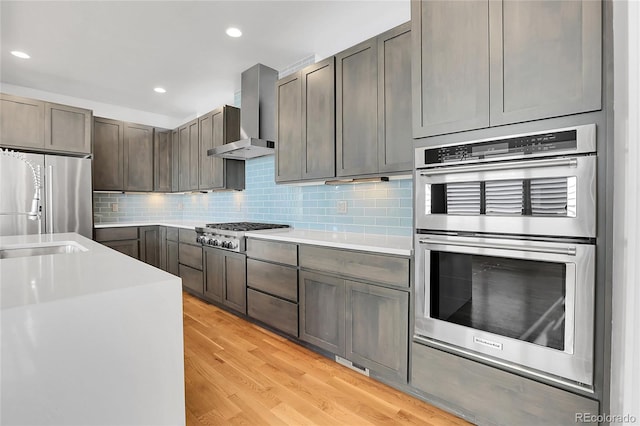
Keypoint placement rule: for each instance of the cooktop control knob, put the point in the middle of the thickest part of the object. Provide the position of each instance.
(215, 242)
(232, 245)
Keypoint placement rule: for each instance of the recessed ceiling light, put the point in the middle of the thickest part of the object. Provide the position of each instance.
(20, 54)
(160, 90)
(233, 32)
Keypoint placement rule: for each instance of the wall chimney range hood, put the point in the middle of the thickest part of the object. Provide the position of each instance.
(257, 116)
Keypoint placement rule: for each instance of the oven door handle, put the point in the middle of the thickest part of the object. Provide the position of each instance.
(568, 250)
(532, 164)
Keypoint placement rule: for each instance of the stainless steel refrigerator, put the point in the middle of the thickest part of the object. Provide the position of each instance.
(43, 193)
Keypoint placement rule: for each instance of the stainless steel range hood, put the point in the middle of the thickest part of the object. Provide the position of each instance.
(257, 116)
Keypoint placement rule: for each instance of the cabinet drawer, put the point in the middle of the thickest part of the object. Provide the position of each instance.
(128, 247)
(281, 281)
(377, 268)
(286, 253)
(172, 234)
(190, 255)
(275, 312)
(187, 236)
(115, 234)
(192, 279)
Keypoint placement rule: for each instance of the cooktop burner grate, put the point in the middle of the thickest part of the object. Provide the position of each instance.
(244, 226)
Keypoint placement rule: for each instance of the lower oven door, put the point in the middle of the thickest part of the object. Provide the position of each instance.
(525, 304)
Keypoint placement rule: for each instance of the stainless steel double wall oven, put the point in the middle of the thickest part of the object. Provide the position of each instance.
(505, 251)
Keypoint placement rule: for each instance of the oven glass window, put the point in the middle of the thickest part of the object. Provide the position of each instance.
(521, 299)
(555, 197)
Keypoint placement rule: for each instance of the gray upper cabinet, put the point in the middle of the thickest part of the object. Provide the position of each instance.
(395, 138)
(162, 160)
(216, 128)
(450, 74)
(138, 157)
(184, 158)
(43, 126)
(288, 166)
(545, 59)
(357, 110)
(487, 63)
(175, 160)
(318, 120)
(194, 155)
(21, 122)
(67, 128)
(108, 154)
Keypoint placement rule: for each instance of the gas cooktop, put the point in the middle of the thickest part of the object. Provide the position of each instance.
(230, 236)
(243, 226)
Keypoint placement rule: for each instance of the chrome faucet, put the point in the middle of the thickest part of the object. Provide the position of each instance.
(35, 212)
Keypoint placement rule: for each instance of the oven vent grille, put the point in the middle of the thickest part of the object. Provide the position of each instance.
(504, 197)
(464, 198)
(549, 196)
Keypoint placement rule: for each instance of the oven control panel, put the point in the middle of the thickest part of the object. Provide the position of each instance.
(546, 143)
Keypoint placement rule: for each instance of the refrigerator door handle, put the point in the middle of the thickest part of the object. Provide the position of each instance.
(49, 198)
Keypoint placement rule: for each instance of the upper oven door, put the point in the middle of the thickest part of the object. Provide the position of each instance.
(526, 302)
(545, 197)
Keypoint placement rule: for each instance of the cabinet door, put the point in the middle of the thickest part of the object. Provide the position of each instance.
(395, 138)
(319, 120)
(128, 247)
(162, 160)
(207, 164)
(21, 122)
(175, 161)
(162, 237)
(450, 75)
(322, 311)
(67, 128)
(184, 158)
(138, 157)
(192, 279)
(149, 245)
(194, 155)
(377, 328)
(545, 59)
(214, 274)
(288, 133)
(108, 154)
(235, 281)
(172, 257)
(357, 110)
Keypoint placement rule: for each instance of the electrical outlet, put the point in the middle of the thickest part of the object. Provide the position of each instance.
(180, 206)
(341, 206)
(114, 207)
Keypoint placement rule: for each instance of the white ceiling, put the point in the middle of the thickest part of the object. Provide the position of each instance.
(116, 52)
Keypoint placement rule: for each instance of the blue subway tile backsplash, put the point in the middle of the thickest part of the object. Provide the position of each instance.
(372, 208)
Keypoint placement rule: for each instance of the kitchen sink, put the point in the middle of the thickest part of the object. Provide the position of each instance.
(27, 250)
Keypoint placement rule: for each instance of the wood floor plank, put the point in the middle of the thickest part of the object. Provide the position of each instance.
(237, 373)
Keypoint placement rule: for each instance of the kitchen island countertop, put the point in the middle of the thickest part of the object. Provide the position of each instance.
(91, 337)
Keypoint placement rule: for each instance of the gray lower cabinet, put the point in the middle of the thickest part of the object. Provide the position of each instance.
(172, 257)
(162, 160)
(322, 311)
(162, 247)
(273, 311)
(108, 154)
(150, 245)
(122, 239)
(377, 329)
(190, 261)
(226, 278)
(487, 395)
(473, 62)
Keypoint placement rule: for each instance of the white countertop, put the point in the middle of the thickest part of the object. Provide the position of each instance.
(93, 337)
(186, 224)
(402, 246)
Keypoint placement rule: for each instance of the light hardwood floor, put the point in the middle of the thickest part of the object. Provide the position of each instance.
(239, 373)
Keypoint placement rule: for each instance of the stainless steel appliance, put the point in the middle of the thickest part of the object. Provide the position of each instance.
(44, 194)
(505, 253)
(230, 236)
